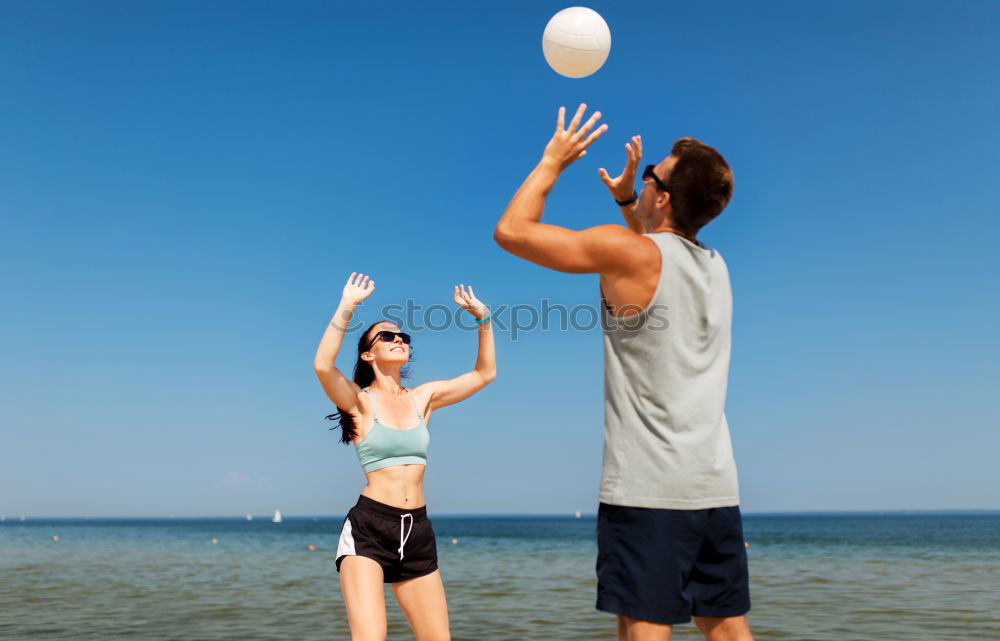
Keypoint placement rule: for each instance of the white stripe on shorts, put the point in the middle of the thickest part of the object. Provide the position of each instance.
(346, 545)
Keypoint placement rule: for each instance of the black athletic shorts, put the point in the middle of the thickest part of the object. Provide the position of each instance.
(401, 541)
(665, 566)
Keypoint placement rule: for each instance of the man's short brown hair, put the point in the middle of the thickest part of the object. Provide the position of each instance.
(700, 183)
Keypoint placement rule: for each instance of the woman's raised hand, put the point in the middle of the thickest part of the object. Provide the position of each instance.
(466, 299)
(358, 288)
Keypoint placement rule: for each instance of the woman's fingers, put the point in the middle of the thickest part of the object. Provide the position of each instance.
(465, 297)
(360, 280)
(359, 287)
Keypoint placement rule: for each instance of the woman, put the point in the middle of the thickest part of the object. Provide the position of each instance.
(387, 537)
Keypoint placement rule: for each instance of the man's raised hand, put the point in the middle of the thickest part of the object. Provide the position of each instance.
(568, 143)
(622, 187)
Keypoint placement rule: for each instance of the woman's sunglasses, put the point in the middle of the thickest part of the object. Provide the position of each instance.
(649, 174)
(389, 337)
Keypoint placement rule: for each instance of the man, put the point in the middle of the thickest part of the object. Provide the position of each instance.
(669, 531)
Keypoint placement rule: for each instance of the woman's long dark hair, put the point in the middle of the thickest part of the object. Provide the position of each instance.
(364, 375)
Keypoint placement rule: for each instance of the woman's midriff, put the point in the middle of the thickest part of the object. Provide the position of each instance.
(400, 486)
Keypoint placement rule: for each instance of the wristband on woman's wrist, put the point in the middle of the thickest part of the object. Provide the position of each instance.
(484, 320)
(628, 201)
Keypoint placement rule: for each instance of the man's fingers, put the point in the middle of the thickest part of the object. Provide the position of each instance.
(561, 119)
(606, 178)
(587, 126)
(594, 136)
(576, 119)
(633, 160)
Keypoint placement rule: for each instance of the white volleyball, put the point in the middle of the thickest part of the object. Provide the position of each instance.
(576, 42)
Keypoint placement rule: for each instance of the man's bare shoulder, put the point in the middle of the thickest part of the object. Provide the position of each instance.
(627, 249)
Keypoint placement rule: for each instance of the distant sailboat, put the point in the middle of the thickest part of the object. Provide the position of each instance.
(277, 517)
(249, 516)
(578, 514)
(22, 518)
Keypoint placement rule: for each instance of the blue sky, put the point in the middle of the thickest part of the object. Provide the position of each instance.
(184, 188)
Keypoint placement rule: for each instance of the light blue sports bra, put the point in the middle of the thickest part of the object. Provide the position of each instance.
(386, 446)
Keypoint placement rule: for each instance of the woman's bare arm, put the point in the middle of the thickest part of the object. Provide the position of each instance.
(454, 390)
(341, 390)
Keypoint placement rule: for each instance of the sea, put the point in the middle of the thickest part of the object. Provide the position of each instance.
(814, 577)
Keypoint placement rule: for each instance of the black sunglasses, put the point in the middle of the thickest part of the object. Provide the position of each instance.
(389, 337)
(649, 174)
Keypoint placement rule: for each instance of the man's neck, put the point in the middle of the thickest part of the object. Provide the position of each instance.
(670, 228)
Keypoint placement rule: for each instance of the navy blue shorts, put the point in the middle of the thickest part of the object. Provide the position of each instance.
(665, 566)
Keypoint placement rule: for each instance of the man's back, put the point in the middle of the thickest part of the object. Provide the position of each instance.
(667, 443)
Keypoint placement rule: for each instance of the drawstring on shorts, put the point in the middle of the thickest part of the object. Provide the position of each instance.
(402, 539)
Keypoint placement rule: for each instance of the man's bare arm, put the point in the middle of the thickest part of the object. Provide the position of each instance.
(607, 249)
(520, 230)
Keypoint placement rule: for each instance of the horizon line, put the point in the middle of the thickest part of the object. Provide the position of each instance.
(16, 518)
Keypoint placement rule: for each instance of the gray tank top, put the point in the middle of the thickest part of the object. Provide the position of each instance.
(666, 440)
